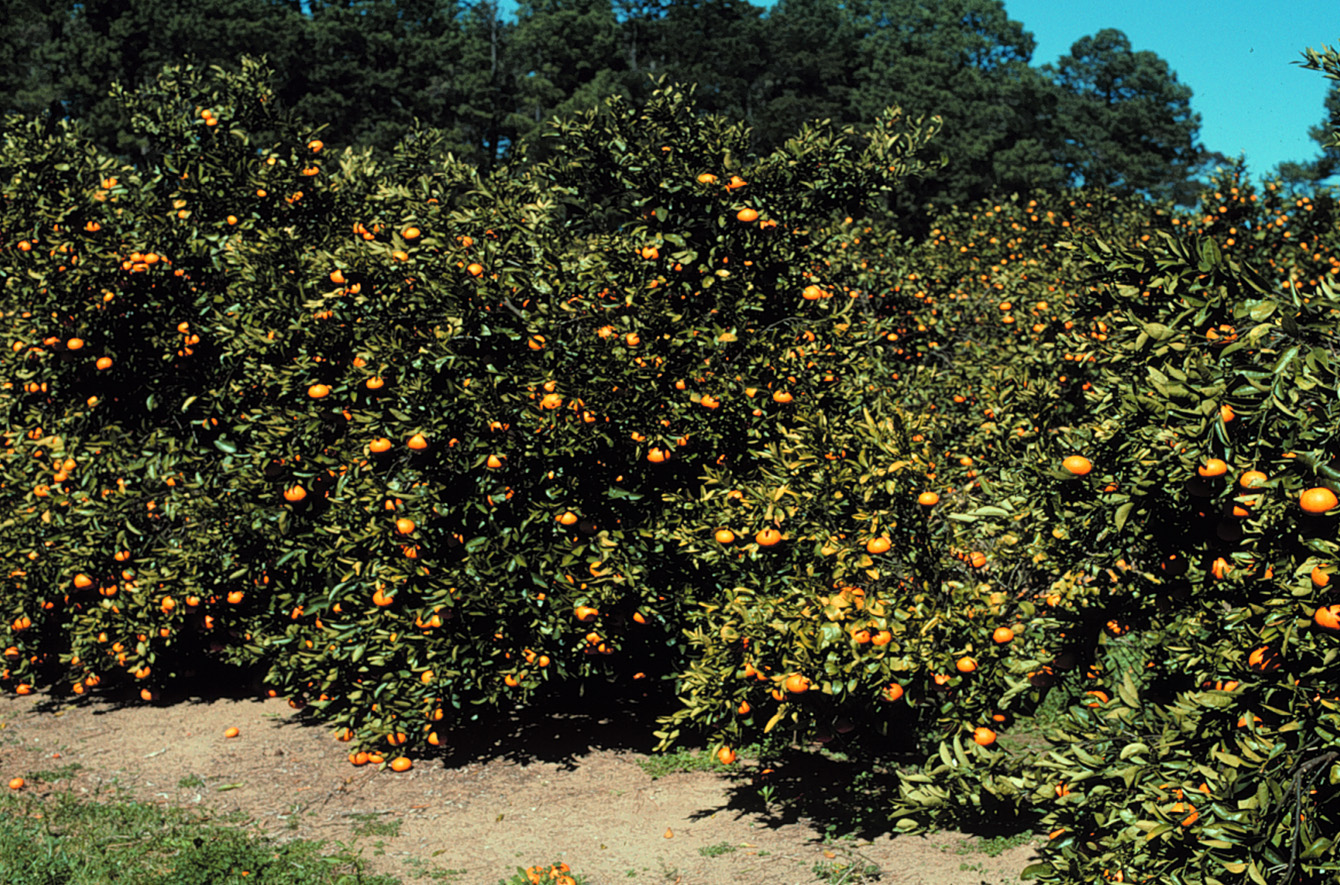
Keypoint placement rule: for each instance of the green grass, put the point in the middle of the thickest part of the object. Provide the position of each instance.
(375, 824)
(716, 850)
(71, 841)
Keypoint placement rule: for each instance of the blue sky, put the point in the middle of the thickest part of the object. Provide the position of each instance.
(1236, 55)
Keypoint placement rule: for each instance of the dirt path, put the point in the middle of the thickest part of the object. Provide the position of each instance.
(554, 788)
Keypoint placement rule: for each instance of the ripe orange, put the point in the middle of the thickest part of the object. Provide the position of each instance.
(1212, 467)
(417, 442)
(977, 559)
(747, 215)
(75, 344)
(883, 637)
(318, 391)
(724, 536)
(585, 613)
(983, 736)
(875, 546)
(231, 731)
(966, 664)
(1327, 617)
(404, 525)
(16, 783)
(1002, 635)
(743, 709)
(375, 383)
(410, 233)
(1318, 500)
(103, 363)
(567, 517)
(475, 270)
(768, 537)
(1320, 578)
(706, 178)
(1252, 479)
(379, 445)
(796, 684)
(658, 455)
(493, 462)
(295, 493)
(401, 763)
(726, 756)
(1264, 659)
(893, 692)
(781, 396)
(82, 581)
(337, 277)
(928, 499)
(1077, 465)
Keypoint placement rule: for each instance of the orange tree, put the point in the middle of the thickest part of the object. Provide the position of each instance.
(1200, 540)
(398, 437)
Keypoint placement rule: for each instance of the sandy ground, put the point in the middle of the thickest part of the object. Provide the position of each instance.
(520, 792)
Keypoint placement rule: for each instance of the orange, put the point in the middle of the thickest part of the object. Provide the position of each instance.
(404, 525)
(417, 442)
(883, 637)
(706, 178)
(1002, 635)
(493, 462)
(16, 783)
(318, 391)
(796, 684)
(337, 277)
(1252, 479)
(375, 383)
(743, 709)
(1318, 500)
(567, 517)
(1319, 577)
(1327, 617)
(1077, 465)
(983, 736)
(401, 763)
(658, 455)
(1212, 467)
(781, 396)
(585, 613)
(768, 537)
(75, 344)
(411, 233)
(875, 546)
(475, 270)
(1264, 659)
(294, 494)
(966, 664)
(893, 692)
(747, 215)
(977, 559)
(231, 732)
(928, 499)
(103, 363)
(81, 581)
(724, 536)
(379, 445)
(726, 756)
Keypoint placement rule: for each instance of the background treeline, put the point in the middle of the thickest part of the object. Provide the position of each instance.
(1103, 114)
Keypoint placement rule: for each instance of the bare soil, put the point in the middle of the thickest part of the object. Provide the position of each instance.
(516, 792)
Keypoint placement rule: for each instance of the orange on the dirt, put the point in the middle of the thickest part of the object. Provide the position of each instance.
(1318, 500)
(231, 731)
(1077, 465)
(724, 536)
(928, 499)
(875, 546)
(768, 537)
(726, 756)
(1212, 467)
(16, 783)
(796, 684)
(401, 763)
(983, 736)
